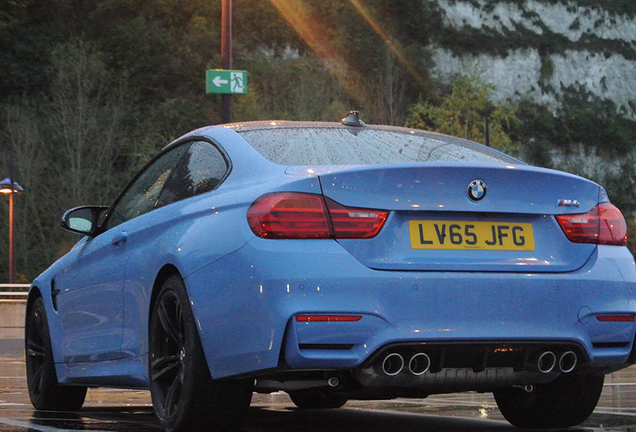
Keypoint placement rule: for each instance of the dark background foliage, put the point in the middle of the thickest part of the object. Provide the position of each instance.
(91, 89)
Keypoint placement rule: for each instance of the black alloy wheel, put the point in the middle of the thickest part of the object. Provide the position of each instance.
(184, 395)
(44, 390)
(566, 401)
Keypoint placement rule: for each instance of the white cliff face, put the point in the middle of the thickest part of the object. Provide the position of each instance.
(570, 20)
(608, 75)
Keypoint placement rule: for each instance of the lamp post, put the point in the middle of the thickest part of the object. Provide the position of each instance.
(10, 187)
(226, 56)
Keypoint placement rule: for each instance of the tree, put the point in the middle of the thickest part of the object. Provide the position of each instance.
(466, 112)
(290, 86)
(84, 127)
(68, 150)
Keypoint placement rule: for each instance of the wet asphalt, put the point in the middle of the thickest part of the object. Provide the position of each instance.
(130, 410)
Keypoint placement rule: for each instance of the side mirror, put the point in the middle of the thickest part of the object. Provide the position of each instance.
(83, 220)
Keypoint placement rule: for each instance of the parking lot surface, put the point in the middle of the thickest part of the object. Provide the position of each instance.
(130, 410)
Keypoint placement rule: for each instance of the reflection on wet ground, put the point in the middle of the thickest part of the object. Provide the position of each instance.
(131, 410)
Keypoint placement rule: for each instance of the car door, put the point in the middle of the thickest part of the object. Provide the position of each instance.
(89, 295)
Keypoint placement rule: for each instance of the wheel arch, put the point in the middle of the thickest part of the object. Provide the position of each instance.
(34, 294)
(164, 273)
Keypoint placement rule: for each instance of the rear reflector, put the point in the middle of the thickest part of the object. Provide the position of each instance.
(615, 318)
(292, 215)
(604, 224)
(328, 318)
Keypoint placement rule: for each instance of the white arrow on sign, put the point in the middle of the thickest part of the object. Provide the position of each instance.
(218, 81)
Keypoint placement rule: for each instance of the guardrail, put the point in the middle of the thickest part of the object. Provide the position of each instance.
(12, 309)
(14, 285)
(13, 296)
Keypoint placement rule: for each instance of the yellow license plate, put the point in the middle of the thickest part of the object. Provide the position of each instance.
(435, 234)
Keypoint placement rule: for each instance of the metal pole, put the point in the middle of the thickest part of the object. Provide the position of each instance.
(12, 175)
(11, 265)
(226, 56)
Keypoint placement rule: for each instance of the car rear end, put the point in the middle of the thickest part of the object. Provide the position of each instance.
(458, 282)
(462, 271)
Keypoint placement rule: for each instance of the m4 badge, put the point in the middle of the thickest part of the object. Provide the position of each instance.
(568, 203)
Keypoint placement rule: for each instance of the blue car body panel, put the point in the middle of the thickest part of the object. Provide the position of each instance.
(246, 292)
(399, 306)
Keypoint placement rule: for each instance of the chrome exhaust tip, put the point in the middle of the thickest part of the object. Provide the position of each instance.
(568, 361)
(419, 364)
(392, 364)
(546, 362)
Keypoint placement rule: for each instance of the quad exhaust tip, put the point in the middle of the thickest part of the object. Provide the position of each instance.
(420, 363)
(567, 361)
(393, 364)
(546, 362)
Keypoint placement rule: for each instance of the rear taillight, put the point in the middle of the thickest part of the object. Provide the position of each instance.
(348, 222)
(293, 215)
(604, 224)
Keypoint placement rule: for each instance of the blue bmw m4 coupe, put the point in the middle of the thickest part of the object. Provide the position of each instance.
(337, 261)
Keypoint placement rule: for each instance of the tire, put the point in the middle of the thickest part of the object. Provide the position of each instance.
(184, 395)
(45, 392)
(317, 399)
(565, 402)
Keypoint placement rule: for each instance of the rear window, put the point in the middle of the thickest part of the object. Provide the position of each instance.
(368, 146)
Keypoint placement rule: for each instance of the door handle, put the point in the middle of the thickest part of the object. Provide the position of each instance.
(119, 238)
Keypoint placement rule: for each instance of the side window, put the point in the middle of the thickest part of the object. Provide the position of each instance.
(142, 194)
(202, 169)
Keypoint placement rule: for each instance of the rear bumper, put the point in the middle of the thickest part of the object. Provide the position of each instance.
(246, 304)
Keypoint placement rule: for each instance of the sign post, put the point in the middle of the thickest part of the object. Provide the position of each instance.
(226, 56)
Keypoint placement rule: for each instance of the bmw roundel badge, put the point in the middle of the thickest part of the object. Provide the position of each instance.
(477, 190)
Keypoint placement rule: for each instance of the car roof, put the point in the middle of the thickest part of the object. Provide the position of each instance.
(290, 124)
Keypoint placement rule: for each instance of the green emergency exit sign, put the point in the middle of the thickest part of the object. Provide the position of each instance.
(226, 81)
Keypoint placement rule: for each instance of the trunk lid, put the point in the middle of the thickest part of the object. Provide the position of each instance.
(435, 225)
